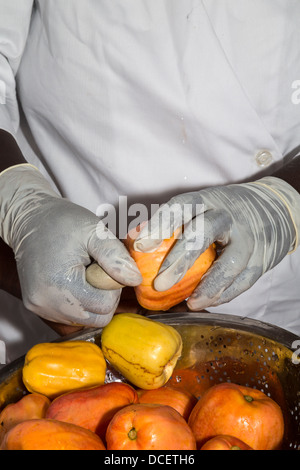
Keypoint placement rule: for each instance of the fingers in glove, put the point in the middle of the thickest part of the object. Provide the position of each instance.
(77, 303)
(241, 284)
(198, 235)
(220, 276)
(97, 301)
(171, 216)
(112, 255)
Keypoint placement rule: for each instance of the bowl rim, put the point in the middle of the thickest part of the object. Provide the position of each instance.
(215, 320)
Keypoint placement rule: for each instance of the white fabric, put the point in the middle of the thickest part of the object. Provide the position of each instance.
(151, 99)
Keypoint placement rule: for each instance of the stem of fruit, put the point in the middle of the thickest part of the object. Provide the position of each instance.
(248, 398)
(132, 434)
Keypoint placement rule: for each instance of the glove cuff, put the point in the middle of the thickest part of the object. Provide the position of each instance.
(21, 188)
(289, 197)
(18, 166)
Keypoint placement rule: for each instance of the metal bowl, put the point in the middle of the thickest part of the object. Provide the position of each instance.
(216, 348)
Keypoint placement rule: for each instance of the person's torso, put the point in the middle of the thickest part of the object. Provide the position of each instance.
(151, 99)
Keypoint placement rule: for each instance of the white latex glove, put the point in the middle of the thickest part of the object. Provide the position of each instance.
(53, 241)
(256, 225)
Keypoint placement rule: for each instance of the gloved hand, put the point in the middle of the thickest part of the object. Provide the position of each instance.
(255, 224)
(53, 241)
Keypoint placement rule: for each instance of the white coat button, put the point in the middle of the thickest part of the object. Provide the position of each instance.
(264, 158)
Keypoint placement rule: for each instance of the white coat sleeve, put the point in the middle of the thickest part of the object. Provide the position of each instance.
(15, 18)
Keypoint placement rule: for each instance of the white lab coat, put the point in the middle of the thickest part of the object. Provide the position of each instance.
(148, 99)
